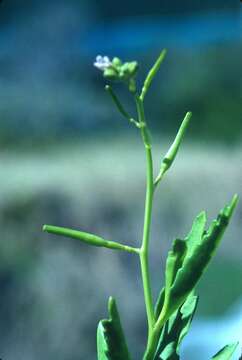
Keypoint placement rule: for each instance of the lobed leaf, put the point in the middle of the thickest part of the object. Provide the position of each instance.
(111, 344)
(185, 267)
(200, 252)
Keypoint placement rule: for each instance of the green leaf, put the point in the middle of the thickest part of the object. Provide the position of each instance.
(196, 233)
(111, 344)
(175, 329)
(201, 246)
(173, 263)
(226, 352)
(180, 251)
(169, 353)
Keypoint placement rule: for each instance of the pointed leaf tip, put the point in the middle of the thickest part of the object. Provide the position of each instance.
(201, 247)
(202, 216)
(226, 352)
(111, 344)
(111, 305)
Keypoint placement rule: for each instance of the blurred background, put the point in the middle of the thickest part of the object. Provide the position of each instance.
(67, 158)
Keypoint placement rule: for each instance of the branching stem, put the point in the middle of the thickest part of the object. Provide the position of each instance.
(144, 251)
(119, 106)
(89, 238)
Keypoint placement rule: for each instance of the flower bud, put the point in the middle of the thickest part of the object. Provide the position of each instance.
(110, 74)
(116, 62)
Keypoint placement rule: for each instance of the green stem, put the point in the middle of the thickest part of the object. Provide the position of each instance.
(153, 339)
(153, 326)
(144, 253)
(144, 256)
(119, 106)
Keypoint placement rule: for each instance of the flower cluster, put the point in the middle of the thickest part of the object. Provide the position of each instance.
(115, 70)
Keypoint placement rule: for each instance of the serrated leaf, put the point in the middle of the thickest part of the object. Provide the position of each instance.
(175, 329)
(180, 250)
(226, 352)
(201, 246)
(111, 344)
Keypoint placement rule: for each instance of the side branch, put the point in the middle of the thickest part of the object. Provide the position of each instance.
(88, 238)
(119, 106)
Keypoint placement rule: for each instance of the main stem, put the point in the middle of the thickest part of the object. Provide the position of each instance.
(144, 251)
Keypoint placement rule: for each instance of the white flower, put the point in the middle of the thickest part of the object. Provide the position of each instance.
(102, 62)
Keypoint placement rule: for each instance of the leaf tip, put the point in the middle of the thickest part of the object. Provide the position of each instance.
(111, 305)
(226, 352)
(202, 216)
